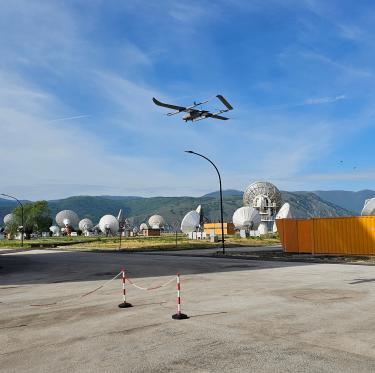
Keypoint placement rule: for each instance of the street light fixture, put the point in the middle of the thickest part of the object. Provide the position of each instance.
(19, 202)
(221, 195)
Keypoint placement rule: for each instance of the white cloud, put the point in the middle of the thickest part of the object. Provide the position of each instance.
(324, 100)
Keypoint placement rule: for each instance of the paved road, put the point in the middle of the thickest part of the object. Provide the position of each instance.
(250, 316)
(211, 252)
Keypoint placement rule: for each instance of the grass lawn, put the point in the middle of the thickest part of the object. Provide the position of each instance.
(164, 242)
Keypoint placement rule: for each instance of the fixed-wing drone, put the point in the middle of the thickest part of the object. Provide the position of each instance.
(195, 114)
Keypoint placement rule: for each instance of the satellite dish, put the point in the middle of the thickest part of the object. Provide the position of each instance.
(200, 212)
(284, 213)
(55, 230)
(8, 219)
(143, 227)
(190, 222)
(156, 222)
(67, 217)
(368, 208)
(121, 217)
(85, 225)
(266, 198)
(109, 224)
(268, 191)
(246, 217)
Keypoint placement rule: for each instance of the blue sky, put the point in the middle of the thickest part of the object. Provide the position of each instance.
(77, 79)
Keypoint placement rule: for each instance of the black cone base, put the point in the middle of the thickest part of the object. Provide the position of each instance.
(179, 316)
(125, 305)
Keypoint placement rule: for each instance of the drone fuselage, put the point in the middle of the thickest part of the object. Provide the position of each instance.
(193, 115)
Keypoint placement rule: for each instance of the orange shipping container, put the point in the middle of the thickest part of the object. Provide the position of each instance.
(228, 228)
(334, 236)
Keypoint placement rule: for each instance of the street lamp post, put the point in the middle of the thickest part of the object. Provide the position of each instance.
(221, 195)
(19, 202)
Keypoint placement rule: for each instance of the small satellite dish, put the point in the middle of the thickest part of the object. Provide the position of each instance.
(156, 222)
(284, 213)
(55, 230)
(143, 227)
(369, 207)
(85, 225)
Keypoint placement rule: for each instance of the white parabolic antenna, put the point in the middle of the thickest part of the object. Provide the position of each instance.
(109, 223)
(143, 227)
(8, 219)
(54, 229)
(246, 217)
(156, 222)
(368, 208)
(190, 222)
(85, 225)
(284, 213)
(67, 217)
(266, 198)
(262, 194)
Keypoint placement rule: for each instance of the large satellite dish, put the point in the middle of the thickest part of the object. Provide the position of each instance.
(156, 222)
(109, 224)
(368, 208)
(67, 218)
(265, 189)
(246, 218)
(190, 222)
(266, 198)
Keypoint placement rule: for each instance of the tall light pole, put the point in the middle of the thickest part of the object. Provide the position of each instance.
(221, 195)
(19, 202)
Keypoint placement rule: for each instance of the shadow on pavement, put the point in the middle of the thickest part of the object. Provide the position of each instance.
(59, 266)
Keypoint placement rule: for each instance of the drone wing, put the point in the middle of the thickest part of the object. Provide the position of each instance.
(216, 116)
(225, 102)
(169, 106)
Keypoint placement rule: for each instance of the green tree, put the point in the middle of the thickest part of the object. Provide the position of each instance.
(36, 217)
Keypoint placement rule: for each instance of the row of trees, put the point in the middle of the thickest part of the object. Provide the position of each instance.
(36, 218)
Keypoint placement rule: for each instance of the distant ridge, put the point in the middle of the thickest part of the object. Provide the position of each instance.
(226, 193)
(139, 209)
(353, 201)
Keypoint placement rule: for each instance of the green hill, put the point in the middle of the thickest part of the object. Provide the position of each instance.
(353, 201)
(139, 209)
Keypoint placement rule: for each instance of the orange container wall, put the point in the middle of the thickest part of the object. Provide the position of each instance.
(228, 228)
(334, 236)
(291, 235)
(305, 236)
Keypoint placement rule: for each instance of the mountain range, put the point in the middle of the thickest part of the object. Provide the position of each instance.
(139, 209)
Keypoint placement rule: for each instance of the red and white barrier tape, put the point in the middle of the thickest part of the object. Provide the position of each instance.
(101, 286)
(151, 287)
(77, 296)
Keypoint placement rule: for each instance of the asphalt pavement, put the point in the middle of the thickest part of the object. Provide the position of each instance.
(245, 316)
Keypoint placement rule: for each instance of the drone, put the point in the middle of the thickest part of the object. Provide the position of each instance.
(193, 114)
